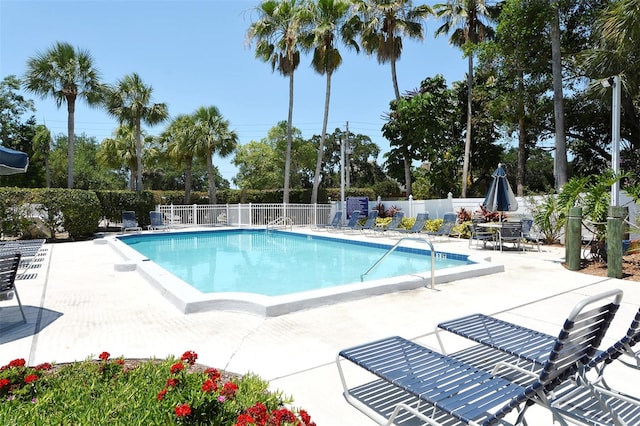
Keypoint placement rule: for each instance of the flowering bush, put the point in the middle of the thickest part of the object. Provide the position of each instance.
(171, 391)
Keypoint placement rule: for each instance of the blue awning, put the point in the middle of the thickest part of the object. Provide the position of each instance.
(12, 161)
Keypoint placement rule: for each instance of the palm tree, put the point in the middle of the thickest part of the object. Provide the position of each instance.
(383, 24)
(130, 102)
(277, 33)
(66, 74)
(213, 136)
(467, 20)
(120, 151)
(181, 146)
(329, 23)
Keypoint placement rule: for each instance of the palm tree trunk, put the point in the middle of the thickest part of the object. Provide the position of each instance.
(71, 112)
(394, 78)
(467, 142)
(187, 180)
(287, 158)
(522, 137)
(211, 179)
(316, 178)
(558, 102)
(406, 154)
(139, 156)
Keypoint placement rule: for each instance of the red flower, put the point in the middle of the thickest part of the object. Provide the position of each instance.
(177, 367)
(229, 389)
(190, 357)
(171, 383)
(43, 366)
(30, 378)
(104, 356)
(212, 373)
(209, 386)
(306, 418)
(20, 362)
(119, 361)
(183, 410)
(4, 382)
(161, 394)
(283, 415)
(244, 420)
(259, 413)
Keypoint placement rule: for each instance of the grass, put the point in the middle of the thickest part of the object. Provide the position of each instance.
(115, 391)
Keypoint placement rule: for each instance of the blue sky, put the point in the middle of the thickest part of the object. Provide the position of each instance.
(195, 53)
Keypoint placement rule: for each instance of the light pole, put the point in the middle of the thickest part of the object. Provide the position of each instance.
(341, 176)
(614, 83)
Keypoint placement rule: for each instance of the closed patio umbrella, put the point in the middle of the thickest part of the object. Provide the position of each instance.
(12, 161)
(500, 197)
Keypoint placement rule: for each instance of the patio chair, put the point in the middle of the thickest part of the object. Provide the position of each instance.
(586, 400)
(394, 225)
(129, 221)
(511, 232)
(418, 225)
(445, 389)
(9, 264)
(157, 221)
(480, 235)
(527, 236)
(369, 224)
(335, 222)
(351, 224)
(448, 222)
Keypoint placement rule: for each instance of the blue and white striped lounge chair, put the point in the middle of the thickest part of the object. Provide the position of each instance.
(9, 264)
(588, 400)
(352, 223)
(157, 222)
(394, 225)
(448, 222)
(418, 225)
(334, 224)
(369, 224)
(415, 381)
(129, 221)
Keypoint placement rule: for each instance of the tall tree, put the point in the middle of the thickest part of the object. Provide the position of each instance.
(130, 102)
(66, 74)
(213, 136)
(120, 152)
(383, 24)
(277, 34)
(330, 23)
(468, 21)
(181, 146)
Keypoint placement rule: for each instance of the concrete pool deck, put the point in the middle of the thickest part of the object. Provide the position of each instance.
(78, 305)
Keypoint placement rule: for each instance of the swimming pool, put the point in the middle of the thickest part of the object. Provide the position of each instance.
(275, 263)
(272, 273)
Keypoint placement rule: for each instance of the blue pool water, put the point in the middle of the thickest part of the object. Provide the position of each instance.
(275, 263)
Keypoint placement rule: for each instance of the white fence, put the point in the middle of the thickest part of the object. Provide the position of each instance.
(313, 214)
(245, 214)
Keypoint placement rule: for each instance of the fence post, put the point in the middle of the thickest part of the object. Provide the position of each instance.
(574, 238)
(615, 227)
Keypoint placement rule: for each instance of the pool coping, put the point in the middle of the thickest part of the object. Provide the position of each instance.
(190, 300)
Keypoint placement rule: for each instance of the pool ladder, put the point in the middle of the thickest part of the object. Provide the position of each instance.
(281, 222)
(392, 249)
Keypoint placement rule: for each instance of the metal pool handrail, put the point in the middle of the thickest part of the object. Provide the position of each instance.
(392, 249)
(282, 221)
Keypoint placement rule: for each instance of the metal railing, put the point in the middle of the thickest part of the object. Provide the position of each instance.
(396, 245)
(244, 214)
(281, 222)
